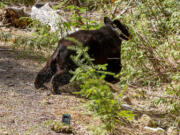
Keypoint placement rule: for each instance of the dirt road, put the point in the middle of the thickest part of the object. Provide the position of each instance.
(25, 110)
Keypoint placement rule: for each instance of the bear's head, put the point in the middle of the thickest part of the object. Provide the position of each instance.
(121, 30)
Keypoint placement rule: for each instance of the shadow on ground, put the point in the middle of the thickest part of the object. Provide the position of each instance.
(17, 71)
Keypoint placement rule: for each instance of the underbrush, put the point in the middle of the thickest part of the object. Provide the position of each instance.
(151, 58)
(102, 101)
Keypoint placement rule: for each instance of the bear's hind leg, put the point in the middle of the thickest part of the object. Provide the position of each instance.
(60, 79)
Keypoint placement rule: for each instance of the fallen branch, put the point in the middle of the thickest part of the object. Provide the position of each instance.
(5, 50)
(171, 97)
(113, 87)
(11, 16)
(141, 112)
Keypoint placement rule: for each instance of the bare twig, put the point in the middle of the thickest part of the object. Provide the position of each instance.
(171, 97)
(142, 111)
(5, 49)
(126, 8)
(151, 56)
(113, 87)
(2, 70)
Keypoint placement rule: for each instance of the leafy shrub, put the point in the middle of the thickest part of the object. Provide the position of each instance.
(78, 20)
(152, 56)
(154, 25)
(94, 87)
(41, 38)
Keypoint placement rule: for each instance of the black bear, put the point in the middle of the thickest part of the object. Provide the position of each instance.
(104, 47)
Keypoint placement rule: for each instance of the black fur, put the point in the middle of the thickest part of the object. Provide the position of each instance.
(104, 46)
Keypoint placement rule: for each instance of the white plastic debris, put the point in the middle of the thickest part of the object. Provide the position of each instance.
(157, 130)
(47, 15)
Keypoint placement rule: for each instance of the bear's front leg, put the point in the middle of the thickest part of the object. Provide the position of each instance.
(43, 76)
(114, 66)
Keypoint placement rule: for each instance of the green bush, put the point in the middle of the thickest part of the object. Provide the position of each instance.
(155, 28)
(94, 87)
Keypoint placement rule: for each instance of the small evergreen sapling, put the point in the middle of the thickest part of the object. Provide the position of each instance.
(93, 86)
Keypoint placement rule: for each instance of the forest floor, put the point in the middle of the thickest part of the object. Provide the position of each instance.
(26, 110)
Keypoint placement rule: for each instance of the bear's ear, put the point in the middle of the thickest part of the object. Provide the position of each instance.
(124, 29)
(107, 20)
(118, 24)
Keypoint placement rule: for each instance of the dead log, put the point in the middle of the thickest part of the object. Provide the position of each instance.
(12, 17)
